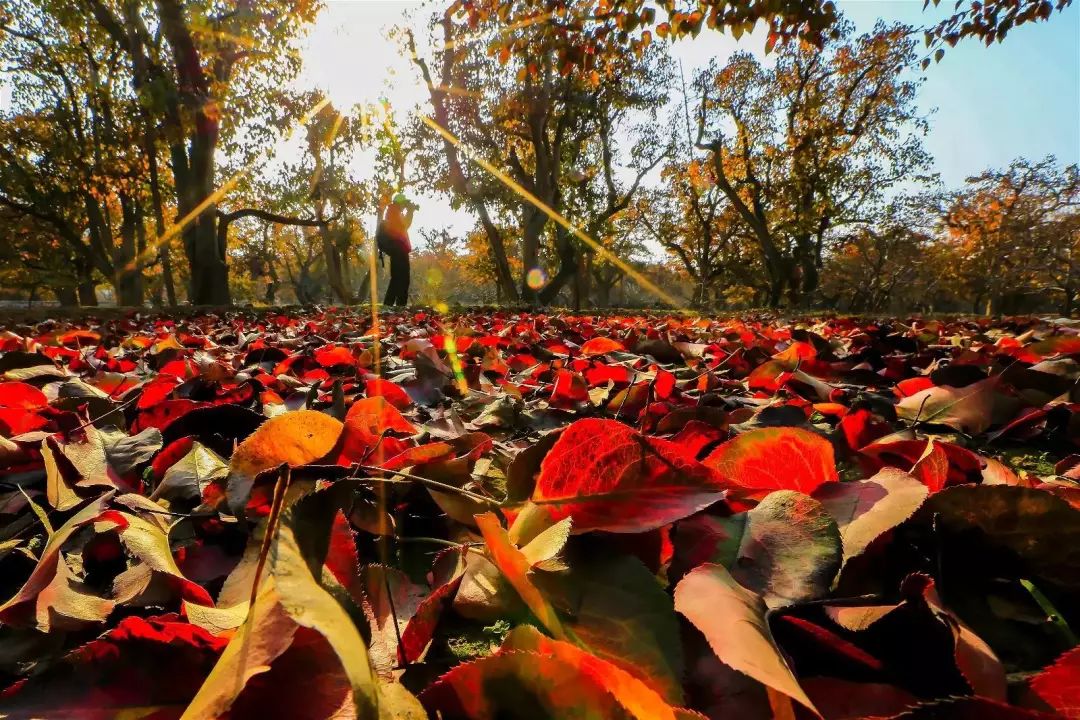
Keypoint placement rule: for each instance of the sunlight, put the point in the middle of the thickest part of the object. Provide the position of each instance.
(349, 56)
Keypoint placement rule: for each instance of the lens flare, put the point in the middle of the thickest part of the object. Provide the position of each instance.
(536, 278)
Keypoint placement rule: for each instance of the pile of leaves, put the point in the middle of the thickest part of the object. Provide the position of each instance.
(498, 514)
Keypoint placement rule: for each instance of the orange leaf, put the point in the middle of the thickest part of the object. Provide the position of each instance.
(781, 458)
(602, 346)
(515, 567)
(610, 477)
(294, 438)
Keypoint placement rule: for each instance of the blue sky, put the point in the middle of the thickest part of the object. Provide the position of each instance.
(992, 104)
(1017, 98)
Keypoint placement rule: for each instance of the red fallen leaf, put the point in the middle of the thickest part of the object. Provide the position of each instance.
(325, 691)
(629, 402)
(421, 627)
(160, 415)
(664, 385)
(600, 373)
(331, 355)
(569, 389)
(22, 396)
(969, 708)
(861, 427)
(932, 468)
(16, 421)
(781, 458)
(838, 699)
(609, 477)
(419, 455)
(181, 369)
(913, 386)
(964, 465)
(121, 671)
(557, 678)
(394, 393)
(697, 436)
(366, 426)
(170, 455)
(341, 558)
(968, 409)
(602, 346)
(1059, 685)
(373, 416)
(831, 650)
(156, 391)
(78, 338)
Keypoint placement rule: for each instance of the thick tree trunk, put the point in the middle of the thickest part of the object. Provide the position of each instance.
(128, 278)
(66, 295)
(88, 294)
(206, 250)
(533, 222)
(568, 267)
(167, 274)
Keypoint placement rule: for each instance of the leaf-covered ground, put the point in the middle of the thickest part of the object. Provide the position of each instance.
(503, 515)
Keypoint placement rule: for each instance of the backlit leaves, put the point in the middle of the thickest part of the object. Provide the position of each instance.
(608, 477)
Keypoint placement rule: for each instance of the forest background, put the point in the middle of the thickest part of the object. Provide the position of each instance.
(864, 157)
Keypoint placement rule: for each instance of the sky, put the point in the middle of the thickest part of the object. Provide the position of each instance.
(989, 105)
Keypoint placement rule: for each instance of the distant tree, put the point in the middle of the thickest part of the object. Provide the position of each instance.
(807, 146)
(1007, 225)
(200, 71)
(1061, 260)
(70, 149)
(883, 265)
(566, 139)
(691, 218)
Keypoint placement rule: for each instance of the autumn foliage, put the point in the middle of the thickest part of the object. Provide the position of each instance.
(503, 514)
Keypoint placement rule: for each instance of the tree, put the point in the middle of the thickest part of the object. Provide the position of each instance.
(71, 154)
(562, 140)
(691, 218)
(1007, 225)
(804, 147)
(881, 265)
(1061, 264)
(199, 70)
(583, 30)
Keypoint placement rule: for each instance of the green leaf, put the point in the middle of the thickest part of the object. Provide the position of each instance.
(787, 549)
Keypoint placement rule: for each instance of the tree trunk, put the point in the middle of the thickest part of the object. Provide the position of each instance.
(128, 279)
(66, 295)
(568, 266)
(206, 248)
(533, 224)
(88, 294)
(334, 266)
(164, 253)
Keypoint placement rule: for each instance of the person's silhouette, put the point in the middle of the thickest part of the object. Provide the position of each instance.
(392, 238)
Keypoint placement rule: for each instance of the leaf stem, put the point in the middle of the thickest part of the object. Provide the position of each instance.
(428, 483)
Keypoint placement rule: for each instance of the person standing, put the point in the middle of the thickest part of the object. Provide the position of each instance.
(392, 238)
